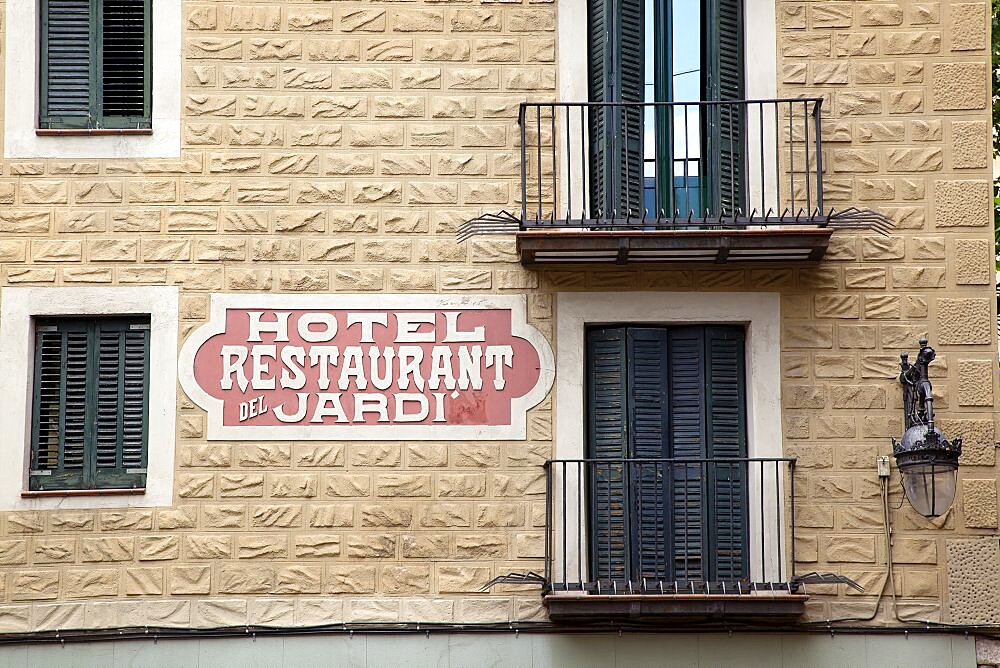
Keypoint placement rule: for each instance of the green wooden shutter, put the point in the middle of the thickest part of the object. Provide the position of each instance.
(607, 438)
(647, 431)
(95, 65)
(687, 440)
(726, 422)
(66, 64)
(121, 403)
(616, 71)
(726, 134)
(678, 392)
(125, 56)
(89, 413)
(60, 430)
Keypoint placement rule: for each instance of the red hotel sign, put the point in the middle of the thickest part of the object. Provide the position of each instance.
(360, 367)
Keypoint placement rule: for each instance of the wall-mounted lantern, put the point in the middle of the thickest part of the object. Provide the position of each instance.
(927, 461)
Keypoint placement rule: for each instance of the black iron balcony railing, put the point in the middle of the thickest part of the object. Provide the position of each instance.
(719, 180)
(670, 526)
(672, 164)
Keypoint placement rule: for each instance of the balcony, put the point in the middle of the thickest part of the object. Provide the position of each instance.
(672, 181)
(695, 539)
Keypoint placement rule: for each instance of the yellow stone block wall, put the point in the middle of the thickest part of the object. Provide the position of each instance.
(335, 147)
(907, 131)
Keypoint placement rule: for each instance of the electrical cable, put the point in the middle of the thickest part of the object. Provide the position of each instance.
(890, 578)
(886, 575)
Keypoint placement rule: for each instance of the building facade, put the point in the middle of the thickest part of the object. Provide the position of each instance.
(612, 293)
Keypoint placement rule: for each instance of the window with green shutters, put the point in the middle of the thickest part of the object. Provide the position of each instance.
(90, 404)
(681, 51)
(95, 65)
(677, 393)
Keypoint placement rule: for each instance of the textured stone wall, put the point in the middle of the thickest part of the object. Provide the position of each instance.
(905, 93)
(335, 147)
(326, 147)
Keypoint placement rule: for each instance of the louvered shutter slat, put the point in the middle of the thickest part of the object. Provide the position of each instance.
(135, 399)
(647, 398)
(727, 440)
(630, 70)
(687, 438)
(66, 56)
(124, 58)
(616, 70)
(121, 404)
(607, 397)
(727, 136)
(75, 406)
(59, 412)
(48, 400)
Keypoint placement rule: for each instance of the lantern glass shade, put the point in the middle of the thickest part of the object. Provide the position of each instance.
(930, 486)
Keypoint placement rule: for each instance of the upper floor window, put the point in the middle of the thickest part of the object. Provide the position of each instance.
(684, 156)
(95, 65)
(90, 403)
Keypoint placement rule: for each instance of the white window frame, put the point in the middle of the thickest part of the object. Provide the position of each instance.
(20, 118)
(18, 309)
(759, 312)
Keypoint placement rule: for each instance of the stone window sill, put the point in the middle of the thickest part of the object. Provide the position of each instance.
(30, 494)
(90, 132)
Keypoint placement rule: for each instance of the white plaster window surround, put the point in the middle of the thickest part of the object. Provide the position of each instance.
(20, 117)
(759, 312)
(18, 308)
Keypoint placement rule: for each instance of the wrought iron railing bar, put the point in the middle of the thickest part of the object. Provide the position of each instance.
(760, 141)
(565, 553)
(580, 525)
(777, 160)
(712, 514)
(569, 169)
(555, 167)
(791, 513)
(524, 162)
(732, 509)
(628, 164)
(538, 141)
(610, 530)
(791, 156)
(817, 109)
(549, 521)
(732, 163)
(805, 144)
(763, 545)
(639, 514)
(687, 162)
(777, 520)
(584, 159)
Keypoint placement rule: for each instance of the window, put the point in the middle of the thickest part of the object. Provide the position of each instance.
(683, 157)
(667, 442)
(90, 404)
(95, 64)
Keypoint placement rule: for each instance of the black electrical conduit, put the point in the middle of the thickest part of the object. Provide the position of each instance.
(516, 628)
(888, 577)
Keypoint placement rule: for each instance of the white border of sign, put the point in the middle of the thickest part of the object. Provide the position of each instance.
(221, 302)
